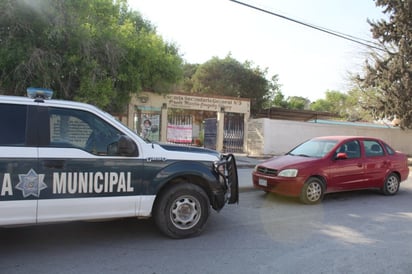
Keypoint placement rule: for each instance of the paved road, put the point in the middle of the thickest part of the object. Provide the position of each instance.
(356, 232)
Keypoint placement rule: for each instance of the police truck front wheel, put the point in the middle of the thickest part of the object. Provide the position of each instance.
(182, 211)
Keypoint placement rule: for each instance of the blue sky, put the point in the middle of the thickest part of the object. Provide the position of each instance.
(307, 61)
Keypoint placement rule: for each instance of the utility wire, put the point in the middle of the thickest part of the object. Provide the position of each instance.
(328, 31)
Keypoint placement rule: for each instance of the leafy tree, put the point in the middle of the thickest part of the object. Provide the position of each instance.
(278, 100)
(297, 102)
(275, 97)
(321, 105)
(188, 71)
(96, 51)
(356, 101)
(335, 102)
(229, 77)
(387, 80)
(349, 106)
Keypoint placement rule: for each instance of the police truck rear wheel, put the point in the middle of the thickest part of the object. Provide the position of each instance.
(182, 211)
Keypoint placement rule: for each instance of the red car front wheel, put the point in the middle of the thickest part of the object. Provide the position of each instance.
(312, 191)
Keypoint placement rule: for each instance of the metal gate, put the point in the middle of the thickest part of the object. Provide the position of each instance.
(233, 133)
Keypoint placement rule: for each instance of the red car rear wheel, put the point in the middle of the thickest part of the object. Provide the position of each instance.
(391, 184)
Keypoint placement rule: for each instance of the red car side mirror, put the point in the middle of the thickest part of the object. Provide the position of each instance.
(341, 156)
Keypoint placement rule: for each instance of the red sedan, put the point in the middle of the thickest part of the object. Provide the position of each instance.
(332, 164)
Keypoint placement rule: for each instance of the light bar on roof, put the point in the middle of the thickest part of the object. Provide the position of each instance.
(39, 93)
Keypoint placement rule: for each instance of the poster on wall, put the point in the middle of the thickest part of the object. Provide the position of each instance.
(179, 133)
(149, 126)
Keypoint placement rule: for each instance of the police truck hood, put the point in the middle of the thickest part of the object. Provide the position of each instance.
(190, 149)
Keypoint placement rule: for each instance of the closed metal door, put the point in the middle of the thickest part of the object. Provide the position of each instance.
(210, 133)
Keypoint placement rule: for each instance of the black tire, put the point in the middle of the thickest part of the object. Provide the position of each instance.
(182, 211)
(312, 191)
(391, 184)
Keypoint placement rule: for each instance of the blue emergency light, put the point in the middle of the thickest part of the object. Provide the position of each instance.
(39, 93)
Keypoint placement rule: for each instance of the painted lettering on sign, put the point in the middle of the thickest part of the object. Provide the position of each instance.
(31, 183)
(91, 182)
(205, 103)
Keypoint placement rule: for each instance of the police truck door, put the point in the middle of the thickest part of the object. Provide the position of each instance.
(20, 182)
(85, 177)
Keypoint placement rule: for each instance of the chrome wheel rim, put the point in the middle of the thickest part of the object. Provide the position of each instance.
(185, 212)
(392, 184)
(314, 192)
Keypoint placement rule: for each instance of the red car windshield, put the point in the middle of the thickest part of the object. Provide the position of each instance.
(313, 148)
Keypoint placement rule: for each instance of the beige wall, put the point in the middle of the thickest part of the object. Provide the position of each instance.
(267, 137)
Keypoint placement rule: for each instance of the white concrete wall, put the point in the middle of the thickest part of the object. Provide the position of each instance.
(267, 137)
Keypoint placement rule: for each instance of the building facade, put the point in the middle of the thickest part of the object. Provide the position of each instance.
(180, 118)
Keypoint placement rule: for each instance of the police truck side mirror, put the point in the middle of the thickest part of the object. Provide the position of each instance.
(126, 146)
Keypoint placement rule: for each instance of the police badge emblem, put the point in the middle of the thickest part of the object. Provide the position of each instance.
(31, 184)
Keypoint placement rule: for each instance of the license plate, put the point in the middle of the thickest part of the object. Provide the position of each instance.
(263, 182)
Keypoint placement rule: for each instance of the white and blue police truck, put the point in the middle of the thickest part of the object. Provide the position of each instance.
(66, 161)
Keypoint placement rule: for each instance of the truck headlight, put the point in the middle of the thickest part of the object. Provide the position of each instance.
(288, 173)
